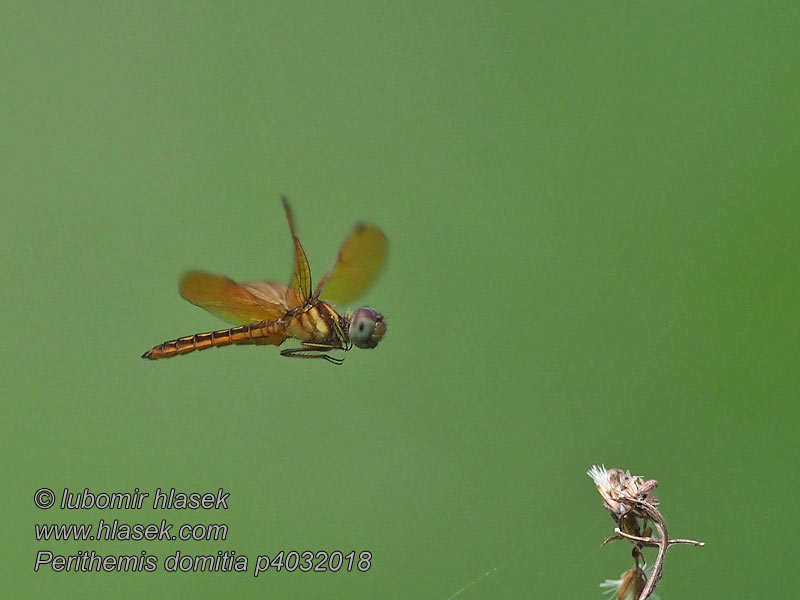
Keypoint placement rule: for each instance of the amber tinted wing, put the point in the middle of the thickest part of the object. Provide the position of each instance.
(301, 278)
(270, 291)
(357, 265)
(228, 300)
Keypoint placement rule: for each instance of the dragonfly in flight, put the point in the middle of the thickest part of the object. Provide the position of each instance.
(269, 313)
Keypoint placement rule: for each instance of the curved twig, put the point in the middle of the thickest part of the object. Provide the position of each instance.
(650, 541)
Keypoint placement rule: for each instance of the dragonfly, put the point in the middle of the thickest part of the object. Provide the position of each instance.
(269, 313)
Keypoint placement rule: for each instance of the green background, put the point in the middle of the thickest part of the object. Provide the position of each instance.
(595, 242)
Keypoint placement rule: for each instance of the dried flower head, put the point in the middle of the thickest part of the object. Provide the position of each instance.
(627, 497)
(621, 491)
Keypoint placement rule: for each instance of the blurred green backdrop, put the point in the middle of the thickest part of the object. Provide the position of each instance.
(593, 215)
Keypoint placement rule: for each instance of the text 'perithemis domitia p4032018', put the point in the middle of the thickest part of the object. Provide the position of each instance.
(269, 313)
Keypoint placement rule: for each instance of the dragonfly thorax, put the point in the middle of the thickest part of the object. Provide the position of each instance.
(319, 323)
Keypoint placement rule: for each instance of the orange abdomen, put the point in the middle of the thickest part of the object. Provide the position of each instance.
(264, 332)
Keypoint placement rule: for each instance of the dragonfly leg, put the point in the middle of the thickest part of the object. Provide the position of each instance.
(312, 353)
(321, 347)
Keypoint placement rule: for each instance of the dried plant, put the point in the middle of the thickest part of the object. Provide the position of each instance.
(634, 508)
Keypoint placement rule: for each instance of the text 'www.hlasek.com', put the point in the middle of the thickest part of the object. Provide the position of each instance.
(175, 559)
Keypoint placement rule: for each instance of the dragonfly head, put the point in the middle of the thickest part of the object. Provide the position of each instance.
(366, 327)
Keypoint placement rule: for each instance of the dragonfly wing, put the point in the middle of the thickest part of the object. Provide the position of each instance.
(269, 291)
(300, 283)
(357, 265)
(229, 300)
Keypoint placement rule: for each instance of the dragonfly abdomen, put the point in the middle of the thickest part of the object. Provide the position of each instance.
(263, 332)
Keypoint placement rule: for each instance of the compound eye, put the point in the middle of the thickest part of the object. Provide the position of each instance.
(366, 327)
